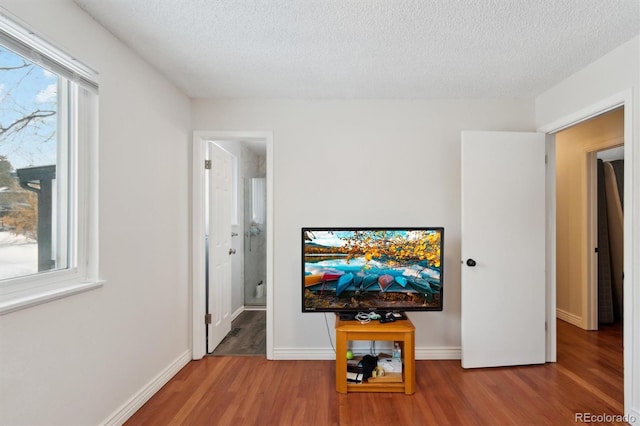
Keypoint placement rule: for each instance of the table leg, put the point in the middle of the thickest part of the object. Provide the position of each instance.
(341, 362)
(410, 364)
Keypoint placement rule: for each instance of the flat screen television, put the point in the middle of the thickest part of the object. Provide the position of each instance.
(372, 269)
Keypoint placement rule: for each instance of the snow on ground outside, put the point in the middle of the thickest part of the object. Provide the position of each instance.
(18, 255)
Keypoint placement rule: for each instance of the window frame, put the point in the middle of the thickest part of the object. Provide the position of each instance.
(79, 108)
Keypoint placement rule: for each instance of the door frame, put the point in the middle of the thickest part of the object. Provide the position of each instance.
(198, 295)
(631, 285)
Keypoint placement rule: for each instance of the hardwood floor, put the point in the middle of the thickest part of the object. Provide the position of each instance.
(587, 378)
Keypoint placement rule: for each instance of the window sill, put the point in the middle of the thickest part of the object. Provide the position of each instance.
(8, 305)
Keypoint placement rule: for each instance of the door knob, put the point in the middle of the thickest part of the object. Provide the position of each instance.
(471, 262)
(232, 251)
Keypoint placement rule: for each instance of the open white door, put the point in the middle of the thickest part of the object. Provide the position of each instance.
(219, 251)
(503, 249)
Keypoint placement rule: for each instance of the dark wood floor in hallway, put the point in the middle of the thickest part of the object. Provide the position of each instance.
(588, 378)
(248, 336)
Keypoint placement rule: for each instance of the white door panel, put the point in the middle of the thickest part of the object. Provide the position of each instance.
(503, 231)
(219, 258)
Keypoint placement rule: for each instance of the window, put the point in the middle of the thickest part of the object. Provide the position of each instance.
(48, 134)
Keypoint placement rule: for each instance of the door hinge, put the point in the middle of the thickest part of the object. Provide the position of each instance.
(207, 164)
(207, 319)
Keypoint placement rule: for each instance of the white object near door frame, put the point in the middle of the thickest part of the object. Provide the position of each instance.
(200, 139)
(631, 285)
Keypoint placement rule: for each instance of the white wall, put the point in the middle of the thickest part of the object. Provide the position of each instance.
(611, 77)
(362, 163)
(75, 361)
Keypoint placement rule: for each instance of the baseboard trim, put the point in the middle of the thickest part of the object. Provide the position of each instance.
(439, 353)
(315, 354)
(237, 312)
(570, 318)
(128, 409)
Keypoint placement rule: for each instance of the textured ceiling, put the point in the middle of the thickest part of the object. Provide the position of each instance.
(368, 48)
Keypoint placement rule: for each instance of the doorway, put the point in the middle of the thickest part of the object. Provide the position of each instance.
(610, 229)
(255, 241)
(248, 243)
(243, 146)
(579, 250)
(589, 258)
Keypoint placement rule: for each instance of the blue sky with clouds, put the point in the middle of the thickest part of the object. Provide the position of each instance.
(23, 91)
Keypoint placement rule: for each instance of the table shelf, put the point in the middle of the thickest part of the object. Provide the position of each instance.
(401, 331)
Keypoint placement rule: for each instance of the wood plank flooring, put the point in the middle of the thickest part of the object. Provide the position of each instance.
(587, 378)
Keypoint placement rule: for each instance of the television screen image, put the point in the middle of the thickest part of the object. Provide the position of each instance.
(372, 269)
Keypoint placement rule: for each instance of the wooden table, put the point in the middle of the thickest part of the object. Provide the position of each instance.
(401, 331)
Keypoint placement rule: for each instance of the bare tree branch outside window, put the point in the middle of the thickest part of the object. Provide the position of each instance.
(28, 129)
